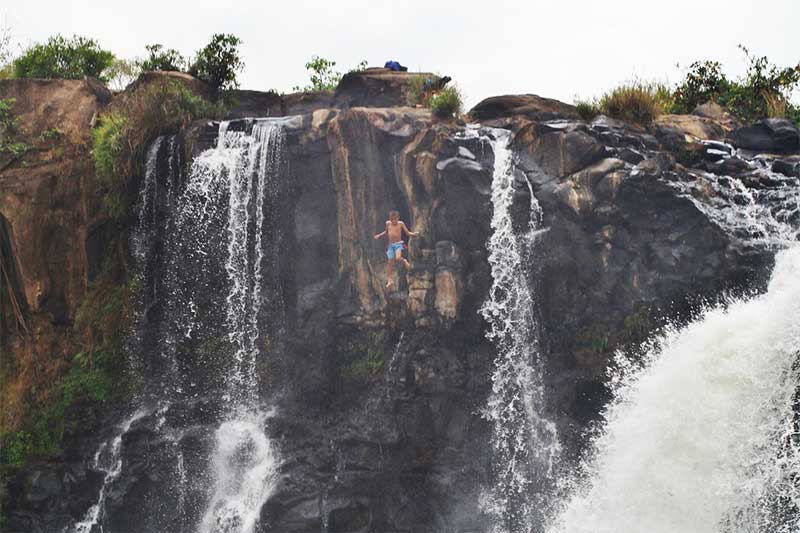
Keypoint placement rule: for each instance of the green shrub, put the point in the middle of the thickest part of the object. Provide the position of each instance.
(322, 76)
(15, 447)
(363, 355)
(587, 109)
(121, 73)
(78, 396)
(131, 124)
(638, 102)
(764, 91)
(420, 90)
(219, 62)
(705, 81)
(10, 145)
(64, 58)
(107, 144)
(447, 102)
(5, 47)
(160, 58)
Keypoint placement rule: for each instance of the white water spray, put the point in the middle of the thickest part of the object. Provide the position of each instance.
(109, 461)
(704, 439)
(245, 168)
(524, 441)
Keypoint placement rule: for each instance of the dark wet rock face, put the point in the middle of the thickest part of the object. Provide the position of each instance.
(529, 106)
(378, 394)
(769, 135)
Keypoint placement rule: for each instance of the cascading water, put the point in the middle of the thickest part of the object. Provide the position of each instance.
(106, 460)
(524, 441)
(704, 438)
(209, 310)
(703, 433)
(245, 464)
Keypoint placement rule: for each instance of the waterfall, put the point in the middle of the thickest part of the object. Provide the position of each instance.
(704, 438)
(244, 461)
(525, 444)
(107, 460)
(208, 314)
(702, 434)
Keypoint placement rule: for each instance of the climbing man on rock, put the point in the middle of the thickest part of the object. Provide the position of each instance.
(394, 230)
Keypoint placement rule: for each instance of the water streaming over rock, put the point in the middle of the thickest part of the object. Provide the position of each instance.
(208, 313)
(107, 460)
(524, 441)
(702, 435)
(245, 464)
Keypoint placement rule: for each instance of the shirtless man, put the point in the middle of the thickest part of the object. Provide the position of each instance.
(394, 229)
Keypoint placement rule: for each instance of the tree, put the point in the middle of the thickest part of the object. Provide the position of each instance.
(322, 75)
(160, 58)
(121, 73)
(219, 62)
(5, 46)
(64, 58)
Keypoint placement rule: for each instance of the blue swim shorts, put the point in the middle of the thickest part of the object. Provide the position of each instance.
(393, 248)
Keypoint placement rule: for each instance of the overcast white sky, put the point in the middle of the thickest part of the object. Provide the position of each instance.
(554, 48)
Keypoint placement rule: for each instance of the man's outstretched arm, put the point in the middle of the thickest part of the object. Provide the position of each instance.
(379, 235)
(409, 232)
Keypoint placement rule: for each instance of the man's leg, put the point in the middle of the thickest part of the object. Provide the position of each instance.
(389, 273)
(399, 256)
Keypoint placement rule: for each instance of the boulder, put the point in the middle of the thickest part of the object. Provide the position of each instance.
(692, 126)
(71, 106)
(556, 151)
(529, 106)
(715, 112)
(193, 84)
(306, 102)
(787, 167)
(776, 135)
(380, 87)
(255, 104)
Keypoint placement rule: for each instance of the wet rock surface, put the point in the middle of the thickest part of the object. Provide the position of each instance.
(769, 135)
(378, 393)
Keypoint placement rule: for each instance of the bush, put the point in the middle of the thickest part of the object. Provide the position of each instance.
(121, 73)
(10, 145)
(64, 58)
(160, 58)
(219, 62)
(705, 81)
(638, 102)
(108, 138)
(764, 91)
(447, 102)
(131, 124)
(5, 47)
(322, 75)
(587, 109)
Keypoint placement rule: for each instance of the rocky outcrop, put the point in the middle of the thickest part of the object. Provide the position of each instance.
(774, 135)
(372, 87)
(378, 392)
(382, 87)
(529, 106)
(50, 215)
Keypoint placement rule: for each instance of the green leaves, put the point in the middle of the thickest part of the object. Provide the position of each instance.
(219, 62)
(64, 58)
(9, 143)
(322, 75)
(447, 102)
(764, 90)
(160, 58)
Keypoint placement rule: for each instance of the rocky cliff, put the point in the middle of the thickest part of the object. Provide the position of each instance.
(378, 411)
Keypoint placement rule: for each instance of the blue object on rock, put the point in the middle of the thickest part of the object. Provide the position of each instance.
(394, 65)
